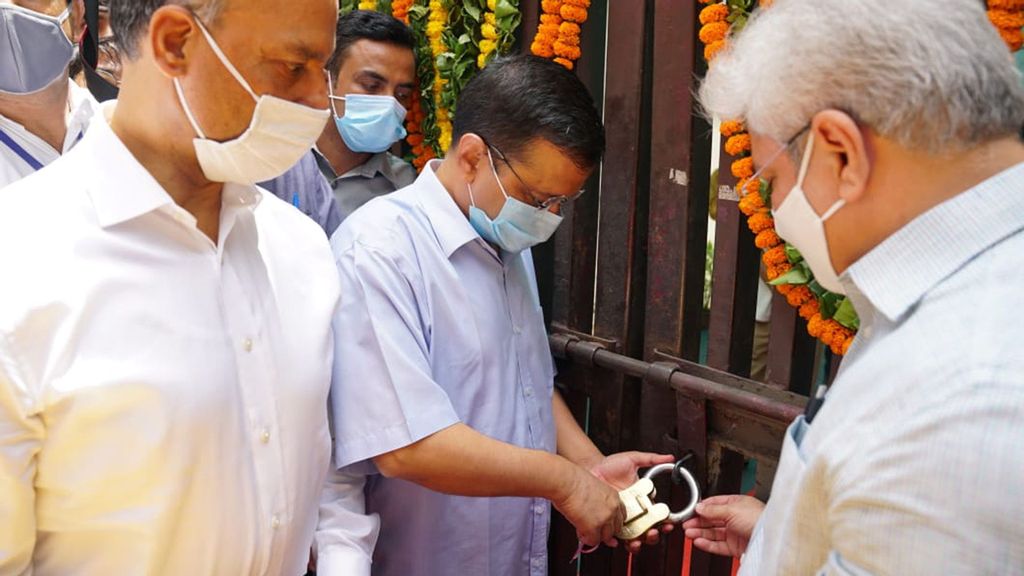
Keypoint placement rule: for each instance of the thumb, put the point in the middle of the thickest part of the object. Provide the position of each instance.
(715, 508)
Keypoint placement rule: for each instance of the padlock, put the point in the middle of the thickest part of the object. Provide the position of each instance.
(643, 513)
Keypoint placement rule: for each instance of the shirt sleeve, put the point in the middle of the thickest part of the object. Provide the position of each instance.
(937, 494)
(21, 435)
(383, 396)
(345, 535)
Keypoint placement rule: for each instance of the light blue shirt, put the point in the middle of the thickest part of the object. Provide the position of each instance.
(435, 328)
(914, 464)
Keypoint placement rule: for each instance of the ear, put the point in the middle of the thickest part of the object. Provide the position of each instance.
(171, 38)
(469, 154)
(845, 143)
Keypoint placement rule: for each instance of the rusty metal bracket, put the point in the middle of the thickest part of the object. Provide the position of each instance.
(562, 338)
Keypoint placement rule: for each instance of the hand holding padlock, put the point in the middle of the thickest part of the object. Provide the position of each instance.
(643, 513)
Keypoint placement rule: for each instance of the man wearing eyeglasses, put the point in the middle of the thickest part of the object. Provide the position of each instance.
(443, 382)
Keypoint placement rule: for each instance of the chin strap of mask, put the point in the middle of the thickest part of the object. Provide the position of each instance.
(89, 46)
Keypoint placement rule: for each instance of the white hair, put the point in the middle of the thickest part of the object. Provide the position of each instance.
(931, 75)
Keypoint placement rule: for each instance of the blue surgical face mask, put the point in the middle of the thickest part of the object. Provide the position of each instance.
(518, 226)
(34, 51)
(371, 123)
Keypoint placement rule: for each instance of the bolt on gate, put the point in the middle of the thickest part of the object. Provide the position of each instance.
(641, 362)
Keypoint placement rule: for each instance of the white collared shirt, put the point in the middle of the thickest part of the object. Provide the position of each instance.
(162, 398)
(13, 162)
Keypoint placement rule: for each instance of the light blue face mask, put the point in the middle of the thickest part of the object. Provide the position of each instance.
(518, 226)
(371, 123)
(34, 51)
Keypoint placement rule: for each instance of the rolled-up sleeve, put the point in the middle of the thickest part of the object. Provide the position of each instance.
(383, 396)
(21, 435)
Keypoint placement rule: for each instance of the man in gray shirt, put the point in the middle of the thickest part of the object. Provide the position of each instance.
(372, 78)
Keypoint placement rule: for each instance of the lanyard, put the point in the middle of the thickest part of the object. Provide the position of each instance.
(21, 152)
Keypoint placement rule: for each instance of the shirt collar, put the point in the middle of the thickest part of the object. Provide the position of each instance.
(377, 164)
(451, 227)
(899, 272)
(122, 189)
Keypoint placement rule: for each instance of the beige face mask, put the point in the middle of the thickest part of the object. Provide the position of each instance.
(279, 134)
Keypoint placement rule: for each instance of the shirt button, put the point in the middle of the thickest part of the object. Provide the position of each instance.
(265, 436)
(517, 330)
(247, 344)
(538, 510)
(275, 522)
(529, 392)
(537, 562)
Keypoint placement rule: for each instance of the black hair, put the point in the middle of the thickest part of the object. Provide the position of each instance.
(367, 25)
(517, 99)
(129, 19)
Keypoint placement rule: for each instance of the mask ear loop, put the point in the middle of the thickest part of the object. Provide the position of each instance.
(188, 112)
(331, 96)
(224, 59)
(494, 171)
(804, 163)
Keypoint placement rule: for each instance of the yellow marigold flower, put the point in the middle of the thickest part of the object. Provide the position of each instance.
(488, 46)
(760, 222)
(492, 5)
(481, 60)
(767, 239)
(711, 50)
(731, 127)
(567, 63)
(738, 144)
(551, 6)
(743, 168)
(713, 32)
(1006, 19)
(573, 13)
(435, 28)
(488, 31)
(368, 4)
(714, 13)
(567, 50)
(492, 19)
(435, 5)
(774, 256)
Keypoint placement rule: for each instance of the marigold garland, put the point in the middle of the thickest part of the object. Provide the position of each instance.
(367, 4)
(489, 33)
(400, 9)
(437, 19)
(1008, 18)
(558, 35)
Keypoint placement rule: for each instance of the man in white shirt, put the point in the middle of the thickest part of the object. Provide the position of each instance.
(42, 113)
(165, 340)
(889, 133)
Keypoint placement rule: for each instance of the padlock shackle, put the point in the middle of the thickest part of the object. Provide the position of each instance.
(688, 512)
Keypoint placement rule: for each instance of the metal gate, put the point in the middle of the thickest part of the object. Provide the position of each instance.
(622, 284)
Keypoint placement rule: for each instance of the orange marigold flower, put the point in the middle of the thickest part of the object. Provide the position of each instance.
(731, 128)
(760, 222)
(1013, 38)
(815, 325)
(542, 49)
(846, 345)
(569, 29)
(1006, 4)
(573, 13)
(752, 187)
(743, 168)
(551, 19)
(784, 289)
(714, 13)
(1006, 18)
(567, 63)
(713, 49)
(567, 50)
(713, 32)
(751, 204)
(774, 272)
(809, 309)
(414, 139)
(738, 144)
(579, 3)
(774, 256)
(551, 6)
(767, 239)
(548, 31)
(799, 296)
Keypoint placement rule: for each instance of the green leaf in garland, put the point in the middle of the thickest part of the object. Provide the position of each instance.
(828, 303)
(472, 9)
(793, 254)
(505, 8)
(795, 276)
(765, 191)
(813, 284)
(846, 315)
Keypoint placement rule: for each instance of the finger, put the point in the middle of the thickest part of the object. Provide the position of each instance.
(634, 546)
(652, 537)
(667, 527)
(612, 542)
(715, 510)
(647, 459)
(718, 548)
(698, 522)
(706, 534)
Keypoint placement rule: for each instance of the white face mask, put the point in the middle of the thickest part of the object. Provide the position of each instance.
(798, 223)
(279, 133)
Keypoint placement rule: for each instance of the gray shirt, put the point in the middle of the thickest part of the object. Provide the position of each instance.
(382, 174)
(305, 188)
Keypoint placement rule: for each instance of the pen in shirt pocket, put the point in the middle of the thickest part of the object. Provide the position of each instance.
(295, 200)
